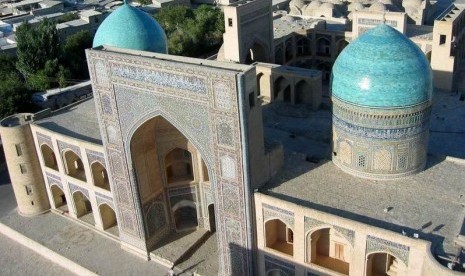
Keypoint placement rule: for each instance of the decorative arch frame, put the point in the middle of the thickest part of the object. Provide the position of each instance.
(320, 227)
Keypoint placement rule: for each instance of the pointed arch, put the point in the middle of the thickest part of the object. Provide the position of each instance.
(49, 157)
(100, 175)
(279, 236)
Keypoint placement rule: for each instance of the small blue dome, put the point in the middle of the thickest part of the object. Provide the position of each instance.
(130, 28)
(382, 68)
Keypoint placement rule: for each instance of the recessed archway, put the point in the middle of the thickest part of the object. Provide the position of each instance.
(327, 249)
(178, 164)
(100, 176)
(323, 46)
(48, 155)
(185, 215)
(279, 236)
(282, 90)
(109, 221)
(256, 53)
(383, 264)
(303, 93)
(83, 208)
(74, 165)
(59, 198)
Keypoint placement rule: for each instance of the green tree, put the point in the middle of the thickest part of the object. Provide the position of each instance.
(67, 17)
(14, 97)
(74, 56)
(192, 32)
(144, 2)
(35, 46)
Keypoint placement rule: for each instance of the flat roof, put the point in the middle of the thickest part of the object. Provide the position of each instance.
(431, 203)
(77, 120)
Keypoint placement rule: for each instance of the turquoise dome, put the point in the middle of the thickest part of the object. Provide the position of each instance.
(130, 28)
(382, 68)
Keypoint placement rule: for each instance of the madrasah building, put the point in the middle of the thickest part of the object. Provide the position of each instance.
(170, 147)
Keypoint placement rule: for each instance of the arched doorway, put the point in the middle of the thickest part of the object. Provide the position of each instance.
(303, 93)
(279, 236)
(289, 50)
(281, 90)
(256, 53)
(211, 217)
(170, 174)
(83, 208)
(100, 175)
(329, 250)
(323, 47)
(185, 216)
(59, 198)
(383, 264)
(74, 165)
(48, 155)
(109, 221)
(178, 164)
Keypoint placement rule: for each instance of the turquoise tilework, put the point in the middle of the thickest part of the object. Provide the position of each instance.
(382, 68)
(130, 28)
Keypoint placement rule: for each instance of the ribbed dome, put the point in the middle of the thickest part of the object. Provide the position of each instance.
(382, 68)
(130, 28)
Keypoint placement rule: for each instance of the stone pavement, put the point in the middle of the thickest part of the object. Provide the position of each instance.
(82, 246)
(71, 240)
(16, 259)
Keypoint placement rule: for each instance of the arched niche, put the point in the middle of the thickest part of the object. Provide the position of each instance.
(279, 236)
(328, 249)
(59, 198)
(83, 207)
(100, 175)
(74, 165)
(109, 220)
(49, 157)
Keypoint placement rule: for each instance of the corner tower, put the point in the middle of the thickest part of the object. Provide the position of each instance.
(382, 94)
(23, 165)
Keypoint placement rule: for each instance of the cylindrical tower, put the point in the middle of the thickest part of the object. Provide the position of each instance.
(23, 165)
(382, 93)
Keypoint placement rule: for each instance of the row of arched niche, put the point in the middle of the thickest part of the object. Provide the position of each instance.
(326, 248)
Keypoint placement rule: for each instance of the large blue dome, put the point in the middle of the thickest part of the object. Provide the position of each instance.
(130, 28)
(382, 68)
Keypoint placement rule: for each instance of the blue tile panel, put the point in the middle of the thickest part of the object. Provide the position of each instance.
(130, 28)
(382, 68)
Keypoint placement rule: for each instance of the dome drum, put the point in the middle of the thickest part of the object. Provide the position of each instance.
(381, 90)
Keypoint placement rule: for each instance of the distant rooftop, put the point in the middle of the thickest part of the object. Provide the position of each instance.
(78, 121)
(451, 12)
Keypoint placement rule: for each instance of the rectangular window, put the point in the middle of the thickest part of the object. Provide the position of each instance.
(339, 251)
(230, 22)
(442, 39)
(28, 189)
(19, 151)
(23, 168)
(251, 100)
(76, 164)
